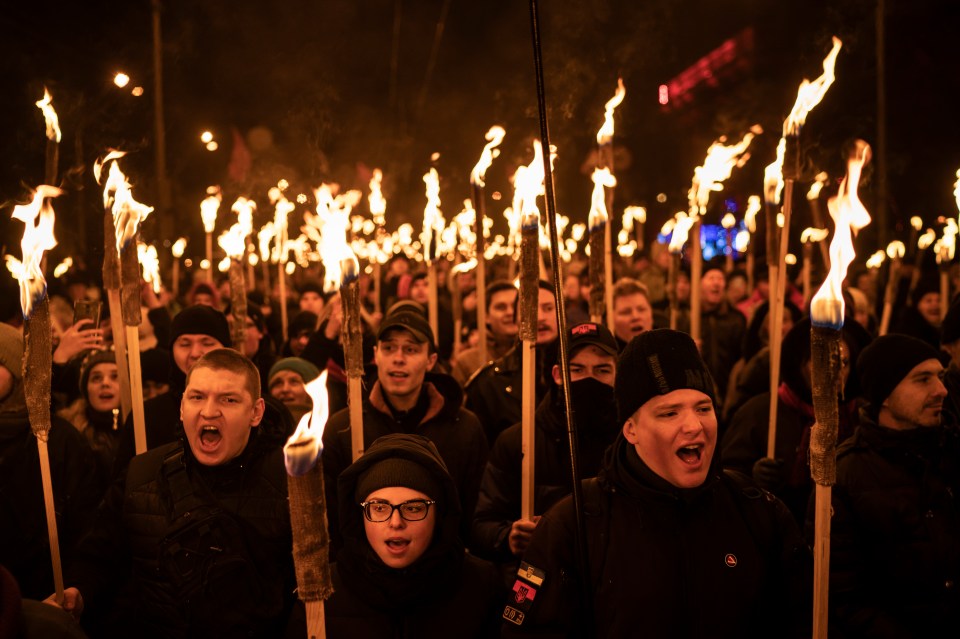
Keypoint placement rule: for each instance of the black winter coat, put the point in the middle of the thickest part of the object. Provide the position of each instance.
(246, 587)
(454, 430)
(895, 538)
(444, 593)
(724, 560)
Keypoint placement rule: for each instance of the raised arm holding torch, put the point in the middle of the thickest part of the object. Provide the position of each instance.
(38, 216)
(826, 315)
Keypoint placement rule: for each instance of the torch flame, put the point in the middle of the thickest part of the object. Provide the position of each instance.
(376, 201)
(38, 218)
(750, 216)
(118, 195)
(633, 214)
(811, 93)
(303, 448)
(681, 230)
(956, 189)
(232, 242)
(433, 222)
(61, 268)
(332, 221)
(819, 181)
(150, 261)
(598, 205)
(209, 208)
(494, 137)
(850, 216)
(720, 162)
(811, 234)
(728, 221)
(927, 239)
(946, 246)
(742, 241)
(876, 259)
(178, 247)
(916, 222)
(896, 250)
(605, 134)
(773, 176)
(244, 209)
(50, 116)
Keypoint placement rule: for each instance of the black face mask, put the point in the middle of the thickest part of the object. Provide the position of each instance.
(594, 408)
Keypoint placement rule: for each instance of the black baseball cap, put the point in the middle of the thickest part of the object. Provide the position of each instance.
(412, 322)
(591, 333)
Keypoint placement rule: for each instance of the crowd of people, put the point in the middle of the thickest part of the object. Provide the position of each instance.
(683, 525)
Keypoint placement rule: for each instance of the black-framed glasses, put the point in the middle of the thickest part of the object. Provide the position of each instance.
(379, 511)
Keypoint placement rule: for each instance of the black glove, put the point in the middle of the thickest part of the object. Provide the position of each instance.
(768, 473)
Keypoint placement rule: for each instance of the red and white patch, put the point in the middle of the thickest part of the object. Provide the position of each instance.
(730, 560)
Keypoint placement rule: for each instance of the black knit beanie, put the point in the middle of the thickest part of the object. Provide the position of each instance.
(397, 471)
(885, 362)
(92, 359)
(655, 363)
(201, 320)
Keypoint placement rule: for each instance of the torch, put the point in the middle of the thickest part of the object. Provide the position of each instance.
(147, 256)
(826, 315)
(38, 216)
(916, 223)
(490, 151)
(719, 164)
(378, 207)
(308, 508)
(282, 208)
(244, 209)
(808, 237)
(946, 248)
(895, 251)
(750, 224)
(529, 296)
(208, 213)
(728, 221)
(127, 216)
(634, 217)
(352, 346)
(177, 251)
(233, 244)
(432, 227)
(924, 242)
(597, 223)
(679, 230)
(605, 157)
(111, 281)
(778, 176)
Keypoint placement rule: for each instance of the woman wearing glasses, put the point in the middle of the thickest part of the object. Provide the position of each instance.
(403, 571)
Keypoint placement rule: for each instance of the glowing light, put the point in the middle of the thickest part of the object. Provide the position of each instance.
(750, 215)
(490, 151)
(663, 94)
(38, 218)
(605, 134)
(209, 208)
(136, 92)
(147, 255)
(232, 242)
(876, 260)
(813, 235)
(61, 269)
(598, 205)
(916, 222)
(244, 209)
(896, 250)
(178, 247)
(118, 196)
(926, 240)
(681, 230)
(817, 186)
(50, 116)
(720, 161)
(212, 146)
(121, 79)
(728, 221)
(206, 136)
(811, 93)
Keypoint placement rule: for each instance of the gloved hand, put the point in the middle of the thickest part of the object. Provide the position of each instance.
(768, 473)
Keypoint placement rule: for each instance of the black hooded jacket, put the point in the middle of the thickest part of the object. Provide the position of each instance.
(723, 560)
(438, 416)
(445, 593)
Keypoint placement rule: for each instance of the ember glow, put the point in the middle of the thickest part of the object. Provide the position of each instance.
(849, 215)
(304, 447)
(38, 218)
(50, 116)
(605, 134)
(490, 151)
(811, 93)
(719, 164)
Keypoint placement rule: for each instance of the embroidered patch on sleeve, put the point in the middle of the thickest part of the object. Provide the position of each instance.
(524, 591)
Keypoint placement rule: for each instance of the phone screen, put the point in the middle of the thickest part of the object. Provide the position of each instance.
(87, 309)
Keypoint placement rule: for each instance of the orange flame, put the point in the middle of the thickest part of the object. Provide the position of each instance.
(209, 208)
(811, 93)
(896, 250)
(376, 201)
(956, 189)
(433, 222)
(633, 214)
(819, 181)
(773, 176)
(849, 215)
(118, 195)
(927, 239)
(875, 261)
(717, 167)
(750, 215)
(331, 222)
(50, 116)
(812, 234)
(605, 134)
(490, 151)
(38, 218)
(150, 261)
(945, 248)
(598, 200)
(916, 222)
(244, 209)
(681, 230)
(304, 447)
(728, 221)
(178, 247)
(232, 242)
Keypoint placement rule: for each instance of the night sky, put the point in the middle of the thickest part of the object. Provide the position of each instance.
(326, 90)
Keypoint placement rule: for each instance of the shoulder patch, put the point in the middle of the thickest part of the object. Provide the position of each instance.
(524, 591)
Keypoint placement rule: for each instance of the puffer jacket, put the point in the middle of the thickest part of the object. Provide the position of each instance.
(722, 560)
(196, 550)
(445, 593)
(454, 430)
(895, 533)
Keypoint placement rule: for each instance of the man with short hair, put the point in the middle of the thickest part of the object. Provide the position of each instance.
(632, 311)
(196, 540)
(498, 530)
(501, 330)
(493, 393)
(674, 545)
(895, 538)
(408, 397)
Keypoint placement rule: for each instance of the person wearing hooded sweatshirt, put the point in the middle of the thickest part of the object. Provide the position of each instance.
(895, 527)
(408, 398)
(24, 546)
(498, 531)
(674, 545)
(195, 331)
(744, 444)
(403, 571)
